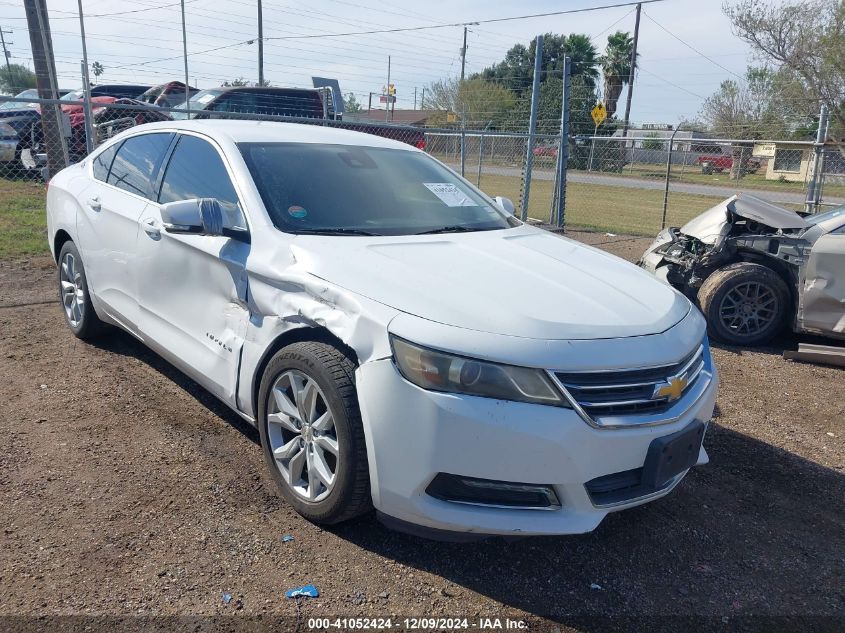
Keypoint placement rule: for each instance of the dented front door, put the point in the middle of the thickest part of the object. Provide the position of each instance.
(192, 298)
(822, 301)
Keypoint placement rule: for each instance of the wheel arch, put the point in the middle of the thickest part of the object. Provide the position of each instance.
(296, 335)
(59, 240)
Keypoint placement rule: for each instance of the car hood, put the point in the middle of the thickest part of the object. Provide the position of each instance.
(519, 282)
(714, 223)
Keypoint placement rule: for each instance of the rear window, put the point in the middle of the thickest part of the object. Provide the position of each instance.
(297, 103)
(103, 161)
(137, 160)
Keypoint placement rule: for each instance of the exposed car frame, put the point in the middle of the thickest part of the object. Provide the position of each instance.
(755, 267)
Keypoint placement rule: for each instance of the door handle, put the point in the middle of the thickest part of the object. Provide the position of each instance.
(151, 227)
(94, 203)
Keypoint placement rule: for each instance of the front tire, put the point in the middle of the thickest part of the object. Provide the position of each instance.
(744, 303)
(311, 432)
(75, 296)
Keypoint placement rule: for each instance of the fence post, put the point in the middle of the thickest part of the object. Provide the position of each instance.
(532, 127)
(668, 173)
(563, 148)
(813, 187)
(480, 157)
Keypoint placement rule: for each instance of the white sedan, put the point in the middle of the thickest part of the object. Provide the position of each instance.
(400, 340)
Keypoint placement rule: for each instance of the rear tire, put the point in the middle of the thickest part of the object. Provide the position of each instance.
(744, 303)
(74, 295)
(311, 432)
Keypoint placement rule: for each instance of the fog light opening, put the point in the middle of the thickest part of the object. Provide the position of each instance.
(494, 494)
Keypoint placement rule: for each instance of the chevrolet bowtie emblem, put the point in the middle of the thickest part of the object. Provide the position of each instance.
(672, 390)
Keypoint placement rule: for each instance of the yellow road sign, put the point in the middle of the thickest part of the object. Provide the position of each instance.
(451, 117)
(599, 113)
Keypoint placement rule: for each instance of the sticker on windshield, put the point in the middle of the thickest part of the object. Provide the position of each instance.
(450, 195)
(295, 211)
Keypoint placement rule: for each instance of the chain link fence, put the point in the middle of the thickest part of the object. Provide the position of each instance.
(633, 185)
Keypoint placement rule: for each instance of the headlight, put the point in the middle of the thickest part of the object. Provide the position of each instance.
(7, 130)
(439, 371)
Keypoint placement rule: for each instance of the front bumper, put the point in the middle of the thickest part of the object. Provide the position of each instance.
(413, 434)
(8, 148)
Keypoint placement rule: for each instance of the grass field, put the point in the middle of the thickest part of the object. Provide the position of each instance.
(603, 208)
(23, 226)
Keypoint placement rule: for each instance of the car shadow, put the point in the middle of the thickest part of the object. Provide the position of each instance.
(757, 531)
(778, 345)
(120, 342)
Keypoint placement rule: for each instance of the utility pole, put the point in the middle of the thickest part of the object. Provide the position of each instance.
(185, 54)
(38, 24)
(815, 183)
(6, 53)
(415, 97)
(631, 73)
(260, 45)
(86, 86)
(464, 55)
(422, 99)
(387, 90)
(532, 129)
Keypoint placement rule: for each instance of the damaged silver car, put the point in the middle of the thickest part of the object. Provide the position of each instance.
(755, 268)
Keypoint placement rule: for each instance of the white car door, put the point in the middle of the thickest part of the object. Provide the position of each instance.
(822, 302)
(107, 225)
(192, 288)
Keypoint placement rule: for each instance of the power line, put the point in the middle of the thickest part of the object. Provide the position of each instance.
(692, 48)
(455, 24)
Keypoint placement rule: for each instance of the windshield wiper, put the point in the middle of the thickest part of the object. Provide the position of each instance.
(456, 228)
(335, 231)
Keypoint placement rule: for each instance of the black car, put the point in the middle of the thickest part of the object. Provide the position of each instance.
(17, 120)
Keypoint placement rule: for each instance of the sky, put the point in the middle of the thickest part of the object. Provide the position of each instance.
(686, 46)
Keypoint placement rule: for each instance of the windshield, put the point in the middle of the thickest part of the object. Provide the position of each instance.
(198, 102)
(821, 217)
(17, 105)
(311, 188)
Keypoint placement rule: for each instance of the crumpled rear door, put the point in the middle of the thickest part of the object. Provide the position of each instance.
(821, 306)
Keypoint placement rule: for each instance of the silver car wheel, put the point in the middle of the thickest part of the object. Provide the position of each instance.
(303, 440)
(73, 293)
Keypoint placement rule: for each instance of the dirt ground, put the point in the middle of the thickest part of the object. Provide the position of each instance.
(126, 490)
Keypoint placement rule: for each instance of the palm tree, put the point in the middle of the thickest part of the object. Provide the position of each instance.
(616, 68)
(97, 69)
(583, 57)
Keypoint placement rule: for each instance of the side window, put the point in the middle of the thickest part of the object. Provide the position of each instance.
(196, 170)
(137, 162)
(103, 162)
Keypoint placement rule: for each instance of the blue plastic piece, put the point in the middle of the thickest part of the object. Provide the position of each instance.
(308, 591)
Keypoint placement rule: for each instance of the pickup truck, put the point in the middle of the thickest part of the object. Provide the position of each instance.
(303, 103)
(721, 162)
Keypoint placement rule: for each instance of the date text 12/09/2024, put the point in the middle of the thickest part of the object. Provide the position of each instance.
(417, 623)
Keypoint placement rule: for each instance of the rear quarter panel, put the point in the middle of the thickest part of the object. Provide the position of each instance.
(63, 194)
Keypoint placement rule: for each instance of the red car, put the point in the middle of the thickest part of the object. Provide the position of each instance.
(545, 151)
(724, 162)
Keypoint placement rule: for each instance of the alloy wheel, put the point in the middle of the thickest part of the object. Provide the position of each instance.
(303, 439)
(748, 308)
(73, 292)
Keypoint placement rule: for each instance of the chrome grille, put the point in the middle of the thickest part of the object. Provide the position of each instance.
(632, 391)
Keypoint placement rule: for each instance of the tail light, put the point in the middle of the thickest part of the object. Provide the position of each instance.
(420, 144)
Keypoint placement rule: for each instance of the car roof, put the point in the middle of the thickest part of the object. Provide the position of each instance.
(267, 89)
(251, 131)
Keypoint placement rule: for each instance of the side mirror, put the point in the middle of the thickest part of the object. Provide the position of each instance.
(199, 215)
(505, 204)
